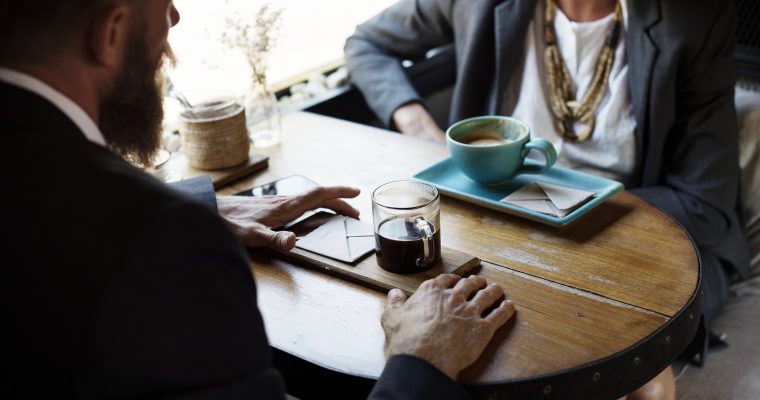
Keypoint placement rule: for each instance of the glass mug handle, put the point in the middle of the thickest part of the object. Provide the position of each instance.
(428, 246)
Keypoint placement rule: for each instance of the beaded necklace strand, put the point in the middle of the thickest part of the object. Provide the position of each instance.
(565, 108)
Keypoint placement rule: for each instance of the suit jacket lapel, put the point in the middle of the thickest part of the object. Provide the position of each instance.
(642, 54)
(511, 20)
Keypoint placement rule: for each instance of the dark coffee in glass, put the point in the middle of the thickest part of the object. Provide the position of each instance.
(406, 218)
(407, 246)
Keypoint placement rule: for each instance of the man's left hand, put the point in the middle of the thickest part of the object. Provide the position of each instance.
(253, 218)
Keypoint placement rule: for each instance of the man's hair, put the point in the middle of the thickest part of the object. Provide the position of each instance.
(32, 31)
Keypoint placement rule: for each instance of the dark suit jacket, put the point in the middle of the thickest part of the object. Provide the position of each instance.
(680, 56)
(114, 285)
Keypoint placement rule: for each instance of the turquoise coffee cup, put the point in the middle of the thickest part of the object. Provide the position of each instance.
(492, 149)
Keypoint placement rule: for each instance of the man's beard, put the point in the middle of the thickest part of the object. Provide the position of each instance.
(131, 113)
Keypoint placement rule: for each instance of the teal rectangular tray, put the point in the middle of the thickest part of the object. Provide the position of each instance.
(449, 181)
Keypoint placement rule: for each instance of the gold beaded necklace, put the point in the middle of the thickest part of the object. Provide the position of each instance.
(565, 108)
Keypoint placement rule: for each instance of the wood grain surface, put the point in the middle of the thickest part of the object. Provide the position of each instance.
(369, 272)
(179, 167)
(583, 293)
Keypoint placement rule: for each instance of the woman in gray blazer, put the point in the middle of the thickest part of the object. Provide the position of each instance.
(661, 113)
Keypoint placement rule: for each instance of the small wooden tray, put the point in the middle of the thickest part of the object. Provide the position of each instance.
(178, 166)
(367, 271)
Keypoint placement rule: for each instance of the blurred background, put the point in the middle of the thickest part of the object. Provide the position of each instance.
(310, 40)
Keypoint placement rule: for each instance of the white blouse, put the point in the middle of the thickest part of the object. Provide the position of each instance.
(611, 150)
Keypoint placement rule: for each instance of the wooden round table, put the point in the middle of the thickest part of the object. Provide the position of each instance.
(603, 304)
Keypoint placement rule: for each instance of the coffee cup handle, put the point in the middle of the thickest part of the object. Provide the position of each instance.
(546, 148)
(427, 242)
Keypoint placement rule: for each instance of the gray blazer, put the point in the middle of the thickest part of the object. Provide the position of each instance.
(680, 56)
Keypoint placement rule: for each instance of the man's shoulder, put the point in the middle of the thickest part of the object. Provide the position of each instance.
(46, 160)
(84, 189)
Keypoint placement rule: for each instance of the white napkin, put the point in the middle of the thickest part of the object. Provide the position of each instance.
(341, 238)
(549, 199)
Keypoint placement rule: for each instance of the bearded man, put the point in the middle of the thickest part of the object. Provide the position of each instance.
(116, 285)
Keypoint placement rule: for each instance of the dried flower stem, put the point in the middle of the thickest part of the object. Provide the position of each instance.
(255, 37)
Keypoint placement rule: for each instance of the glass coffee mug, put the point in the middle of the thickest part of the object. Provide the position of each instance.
(407, 221)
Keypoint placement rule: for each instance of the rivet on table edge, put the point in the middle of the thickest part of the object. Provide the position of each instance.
(691, 315)
(547, 389)
(667, 339)
(596, 376)
(637, 360)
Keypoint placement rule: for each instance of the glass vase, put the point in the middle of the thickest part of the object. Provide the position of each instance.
(262, 116)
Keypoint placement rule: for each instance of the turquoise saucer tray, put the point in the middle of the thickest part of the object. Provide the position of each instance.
(449, 181)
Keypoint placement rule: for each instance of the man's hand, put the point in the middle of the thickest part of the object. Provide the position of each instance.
(253, 218)
(443, 322)
(414, 120)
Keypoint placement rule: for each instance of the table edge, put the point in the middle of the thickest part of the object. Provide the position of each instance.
(652, 354)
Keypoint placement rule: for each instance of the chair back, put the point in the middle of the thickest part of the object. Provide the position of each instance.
(748, 109)
(748, 42)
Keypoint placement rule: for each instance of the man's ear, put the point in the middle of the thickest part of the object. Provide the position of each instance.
(108, 32)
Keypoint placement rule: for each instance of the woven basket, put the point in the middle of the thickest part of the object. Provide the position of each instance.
(214, 135)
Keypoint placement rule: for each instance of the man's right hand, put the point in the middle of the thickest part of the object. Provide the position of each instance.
(414, 120)
(443, 322)
(253, 218)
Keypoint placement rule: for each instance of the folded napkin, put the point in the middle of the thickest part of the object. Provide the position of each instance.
(342, 238)
(549, 199)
